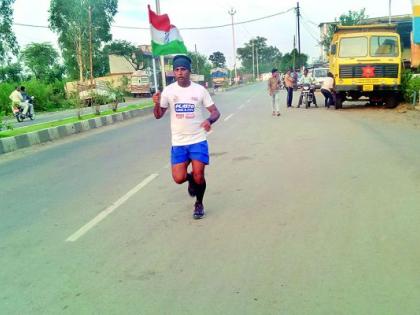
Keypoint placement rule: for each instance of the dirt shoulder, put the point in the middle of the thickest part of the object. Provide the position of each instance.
(404, 114)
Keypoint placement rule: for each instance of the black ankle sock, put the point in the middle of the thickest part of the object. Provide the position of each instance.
(200, 189)
(190, 178)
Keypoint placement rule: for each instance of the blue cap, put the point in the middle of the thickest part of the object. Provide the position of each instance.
(182, 61)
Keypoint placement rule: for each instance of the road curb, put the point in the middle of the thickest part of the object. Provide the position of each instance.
(14, 143)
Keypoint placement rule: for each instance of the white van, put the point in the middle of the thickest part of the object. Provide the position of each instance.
(319, 74)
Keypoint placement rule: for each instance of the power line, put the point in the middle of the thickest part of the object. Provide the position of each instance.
(237, 23)
(312, 22)
(305, 25)
(183, 28)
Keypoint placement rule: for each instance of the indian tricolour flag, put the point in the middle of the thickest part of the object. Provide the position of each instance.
(166, 39)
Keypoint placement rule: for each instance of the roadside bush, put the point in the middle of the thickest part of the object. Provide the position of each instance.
(410, 84)
(48, 96)
(5, 90)
(405, 79)
(3, 124)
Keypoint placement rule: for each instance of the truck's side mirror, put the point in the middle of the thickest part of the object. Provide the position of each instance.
(333, 49)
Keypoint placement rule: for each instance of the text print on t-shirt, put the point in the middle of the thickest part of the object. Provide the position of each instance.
(186, 108)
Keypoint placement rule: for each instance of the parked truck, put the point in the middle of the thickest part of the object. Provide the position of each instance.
(366, 61)
(219, 77)
(141, 83)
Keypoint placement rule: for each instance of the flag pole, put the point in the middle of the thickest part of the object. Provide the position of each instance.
(162, 58)
(153, 61)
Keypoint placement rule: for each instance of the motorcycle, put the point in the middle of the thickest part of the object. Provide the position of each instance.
(18, 112)
(307, 94)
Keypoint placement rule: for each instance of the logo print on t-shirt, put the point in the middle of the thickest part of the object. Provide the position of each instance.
(184, 108)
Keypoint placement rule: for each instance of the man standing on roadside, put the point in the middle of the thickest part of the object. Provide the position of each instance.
(273, 91)
(289, 81)
(187, 101)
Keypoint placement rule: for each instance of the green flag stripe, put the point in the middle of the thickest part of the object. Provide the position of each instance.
(173, 47)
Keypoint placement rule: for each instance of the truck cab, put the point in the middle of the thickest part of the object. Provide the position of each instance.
(141, 84)
(366, 61)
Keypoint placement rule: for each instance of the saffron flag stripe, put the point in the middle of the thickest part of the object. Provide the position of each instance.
(160, 22)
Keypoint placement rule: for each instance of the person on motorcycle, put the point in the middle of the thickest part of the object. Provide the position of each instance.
(28, 100)
(18, 101)
(306, 79)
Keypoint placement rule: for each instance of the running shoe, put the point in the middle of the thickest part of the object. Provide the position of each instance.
(198, 211)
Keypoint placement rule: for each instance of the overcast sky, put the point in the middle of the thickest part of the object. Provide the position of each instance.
(278, 30)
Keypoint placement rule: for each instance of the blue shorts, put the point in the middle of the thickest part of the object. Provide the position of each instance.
(197, 151)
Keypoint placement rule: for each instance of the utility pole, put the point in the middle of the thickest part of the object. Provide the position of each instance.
(232, 12)
(294, 53)
(298, 25)
(253, 59)
(258, 68)
(162, 58)
(90, 47)
(389, 6)
(196, 59)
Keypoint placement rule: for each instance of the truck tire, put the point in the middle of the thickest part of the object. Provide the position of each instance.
(339, 99)
(391, 101)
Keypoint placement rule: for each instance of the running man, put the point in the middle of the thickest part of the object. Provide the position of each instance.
(186, 101)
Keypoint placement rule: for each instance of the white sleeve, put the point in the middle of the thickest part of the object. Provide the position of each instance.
(207, 100)
(164, 99)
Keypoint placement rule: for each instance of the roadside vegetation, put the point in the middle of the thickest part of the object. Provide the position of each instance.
(61, 122)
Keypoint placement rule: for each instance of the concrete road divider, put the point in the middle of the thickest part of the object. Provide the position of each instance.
(14, 143)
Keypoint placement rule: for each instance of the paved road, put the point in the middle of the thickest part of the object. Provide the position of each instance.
(51, 116)
(313, 212)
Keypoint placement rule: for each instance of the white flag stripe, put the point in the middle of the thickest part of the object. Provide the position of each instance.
(161, 37)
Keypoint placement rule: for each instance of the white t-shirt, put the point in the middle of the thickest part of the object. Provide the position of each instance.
(328, 84)
(187, 106)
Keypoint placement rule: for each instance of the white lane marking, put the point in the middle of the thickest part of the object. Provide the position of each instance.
(242, 106)
(248, 101)
(228, 117)
(102, 215)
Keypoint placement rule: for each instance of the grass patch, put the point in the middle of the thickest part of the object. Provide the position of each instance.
(61, 122)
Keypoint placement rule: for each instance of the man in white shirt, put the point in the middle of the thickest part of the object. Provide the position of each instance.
(187, 102)
(307, 79)
(327, 89)
(18, 101)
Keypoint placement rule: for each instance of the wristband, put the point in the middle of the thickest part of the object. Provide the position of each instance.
(211, 121)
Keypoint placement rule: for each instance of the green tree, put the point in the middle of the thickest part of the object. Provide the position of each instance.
(70, 20)
(268, 56)
(129, 51)
(293, 60)
(41, 59)
(8, 43)
(11, 72)
(346, 19)
(218, 59)
(200, 65)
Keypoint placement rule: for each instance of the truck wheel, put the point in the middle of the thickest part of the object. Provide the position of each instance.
(391, 101)
(339, 99)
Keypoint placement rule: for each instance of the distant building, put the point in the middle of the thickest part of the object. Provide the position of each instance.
(404, 27)
(120, 64)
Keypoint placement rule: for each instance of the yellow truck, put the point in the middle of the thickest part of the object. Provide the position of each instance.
(366, 61)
